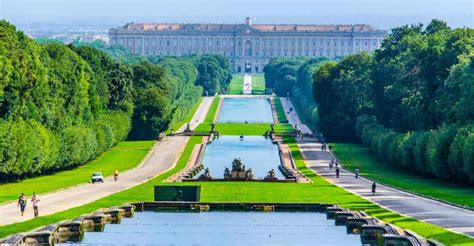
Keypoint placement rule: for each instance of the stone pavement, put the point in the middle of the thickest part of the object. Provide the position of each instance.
(424, 209)
(163, 156)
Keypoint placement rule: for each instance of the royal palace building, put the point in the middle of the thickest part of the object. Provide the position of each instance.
(249, 47)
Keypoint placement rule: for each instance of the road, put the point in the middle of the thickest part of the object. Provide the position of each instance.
(423, 209)
(163, 156)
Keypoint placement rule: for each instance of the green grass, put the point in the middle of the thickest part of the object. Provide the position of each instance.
(212, 110)
(280, 112)
(237, 84)
(125, 155)
(143, 192)
(246, 129)
(321, 191)
(175, 126)
(357, 156)
(258, 84)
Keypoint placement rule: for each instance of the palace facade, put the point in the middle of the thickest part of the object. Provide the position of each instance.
(249, 47)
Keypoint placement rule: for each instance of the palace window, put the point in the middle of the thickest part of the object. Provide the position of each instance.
(271, 43)
(217, 42)
(374, 43)
(314, 43)
(342, 43)
(307, 43)
(321, 43)
(279, 43)
(300, 43)
(167, 43)
(366, 43)
(357, 43)
(292, 43)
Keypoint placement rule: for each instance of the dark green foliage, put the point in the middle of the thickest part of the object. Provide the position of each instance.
(214, 74)
(295, 77)
(343, 92)
(413, 100)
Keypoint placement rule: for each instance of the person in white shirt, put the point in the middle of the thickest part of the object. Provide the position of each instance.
(35, 200)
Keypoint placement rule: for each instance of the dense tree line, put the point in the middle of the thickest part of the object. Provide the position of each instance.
(62, 105)
(56, 109)
(294, 77)
(412, 101)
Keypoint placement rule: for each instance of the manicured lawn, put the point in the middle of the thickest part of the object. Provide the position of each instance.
(280, 112)
(212, 110)
(175, 126)
(123, 156)
(246, 129)
(355, 156)
(258, 84)
(142, 192)
(321, 191)
(237, 84)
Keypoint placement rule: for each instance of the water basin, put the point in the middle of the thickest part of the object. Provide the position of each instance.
(256, 152)
(252, 110)
(223, 228)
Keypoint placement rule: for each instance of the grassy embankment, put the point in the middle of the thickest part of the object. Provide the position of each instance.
(236, 86)
(280, 112)
(358, 156)
(125, 155)
(258, 84)
(176, 125)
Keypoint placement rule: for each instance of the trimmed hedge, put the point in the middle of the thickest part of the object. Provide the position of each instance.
(446, 152)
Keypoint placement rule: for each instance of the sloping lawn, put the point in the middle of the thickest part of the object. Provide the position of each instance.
(355, 156)
(258, 84)
(125, 155)
(280, 112)
(237, 84)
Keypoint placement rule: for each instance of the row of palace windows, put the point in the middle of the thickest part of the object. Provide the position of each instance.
(321, 53)
(266, 43)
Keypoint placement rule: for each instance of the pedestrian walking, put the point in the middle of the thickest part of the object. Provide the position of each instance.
(35, 200)
(374, 186)
(357, 173)
(337, 172)
(116, 174)
(22, 203)
(331, 163)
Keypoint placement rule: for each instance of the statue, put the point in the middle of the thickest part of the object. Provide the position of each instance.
(188, 128)
(237, 165)
(273, 128)
(206, 175)
(238, 170)
(271, 176)
(213, 126)
(227, 174)
(249, 175)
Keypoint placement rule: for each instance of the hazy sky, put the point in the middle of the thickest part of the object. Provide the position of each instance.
(110, 13)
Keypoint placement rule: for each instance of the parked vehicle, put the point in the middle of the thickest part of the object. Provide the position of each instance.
(97, 177)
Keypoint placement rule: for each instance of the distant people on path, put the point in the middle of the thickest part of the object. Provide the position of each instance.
(357, 173)
(337, 172)
(374, 186)
(35, 200)
(22, 203)
(331, 163)
(116, 174)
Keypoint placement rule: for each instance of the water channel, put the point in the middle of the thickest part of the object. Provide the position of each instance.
(223, 228)
(252, 110)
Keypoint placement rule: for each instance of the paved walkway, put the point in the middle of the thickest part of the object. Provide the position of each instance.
(447, 216)
(162, 157)
(247, 84)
